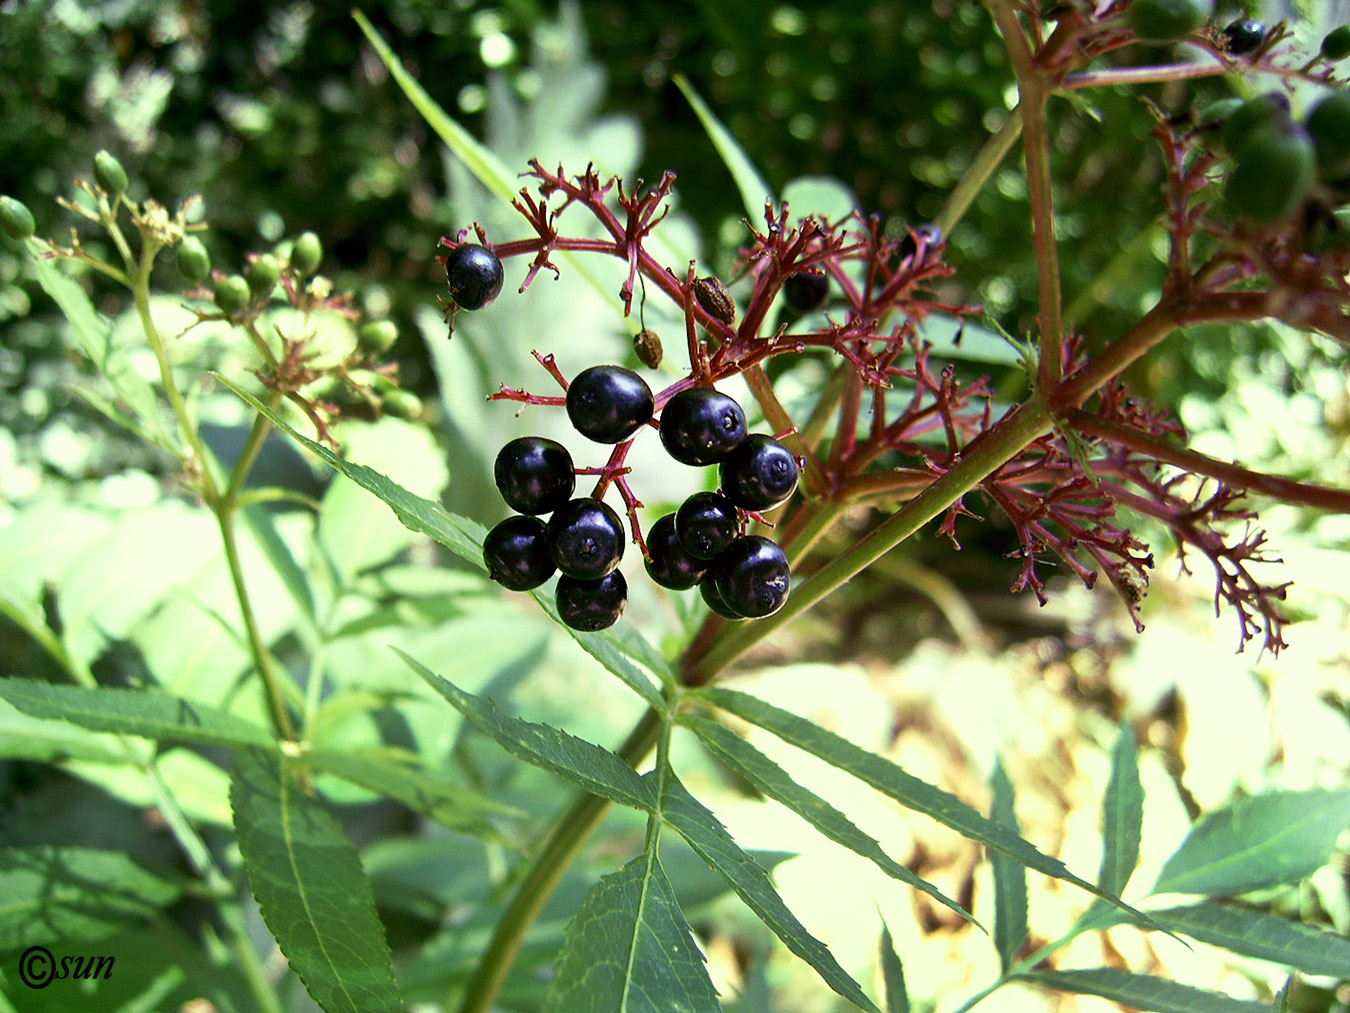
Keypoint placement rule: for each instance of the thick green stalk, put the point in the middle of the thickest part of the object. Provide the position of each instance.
(572, 829)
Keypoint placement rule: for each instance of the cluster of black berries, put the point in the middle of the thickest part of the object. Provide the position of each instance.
(703, 543)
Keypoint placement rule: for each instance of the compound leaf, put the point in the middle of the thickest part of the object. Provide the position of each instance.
(150, 715)
(1143, 991)
(775, 782)
(583, 763)
(1010, 876)
(1265, 840)
(309, 884)
(629, 948)
(692, 821)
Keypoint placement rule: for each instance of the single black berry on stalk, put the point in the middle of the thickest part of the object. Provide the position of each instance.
(806, 292)
(706, 523)
(516, 553)
(608, 404)
(752, 577)
(590, 605)
(474, 274)
(701, 426)
(930, 234)
(1244, 36)
(585, 538)
(760, 474)
(535, 475)
(712, 597)
(669, 564)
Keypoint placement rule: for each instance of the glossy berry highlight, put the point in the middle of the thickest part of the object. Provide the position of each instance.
(534, 475)
(706, 524)
(668, 563)
(609, 404)
(702, 426)
(592, 605)
(752, 577)
(516, 553)
(474, 274)
(1244, 36)
(585, 538)
(761, 474)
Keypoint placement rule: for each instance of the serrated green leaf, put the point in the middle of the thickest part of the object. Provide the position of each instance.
(133, 712)
(583, 763)
(448, 804)
(1122, 815)
(892, 780)
(1143, 991)
(480, 160)
(60, 894)
(753, 190)
(464, 537)
(1265, 840)
(1258, 934)
(769, 778)
(309, 884)
(1010, 876)
(893, 974)
(697, 825)
(629, 948)
(24, 737)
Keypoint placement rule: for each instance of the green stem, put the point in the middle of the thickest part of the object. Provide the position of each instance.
(571, 830)
(989, 158)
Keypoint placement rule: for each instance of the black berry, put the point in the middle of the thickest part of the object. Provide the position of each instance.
(516, 553)
(668, 563)
(535, 475)
(585, 538)
(706, 523)
(713, 599)
(1244, 36)
(760, 474)
(931, 236)
(806, 292)
(701, 426)
(608, 404)
(752, 577)
(474, 274)
(590, 605)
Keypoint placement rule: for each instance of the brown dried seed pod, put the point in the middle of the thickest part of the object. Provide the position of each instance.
(716, 301)
(647, 345)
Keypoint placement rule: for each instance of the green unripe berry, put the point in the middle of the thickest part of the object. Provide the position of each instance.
(1328, 124)
(1336, 46)
(377, 335)
(109, 174)
(402, 404)
(1164, 21)
(307, 253)
(263, 275)
(1275, 172)
(1254, 116)
(194, 263)
(16, 219)
(233, 294)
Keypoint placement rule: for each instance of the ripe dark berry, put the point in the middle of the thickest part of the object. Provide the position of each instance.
(706, 523)
(713, 599)
(474, 274)
(701, 426)
(608, 404)
(1244, 36)
(585, 538)
(806, 292)
(516, 553)
(669, 564)
(752, 577)
(535, 475)
(590, 605)
(930, 235)
(760, 474)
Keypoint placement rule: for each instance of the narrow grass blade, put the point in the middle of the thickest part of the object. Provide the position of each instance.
(754, 191)
(1143, 991)
(1010, 877)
